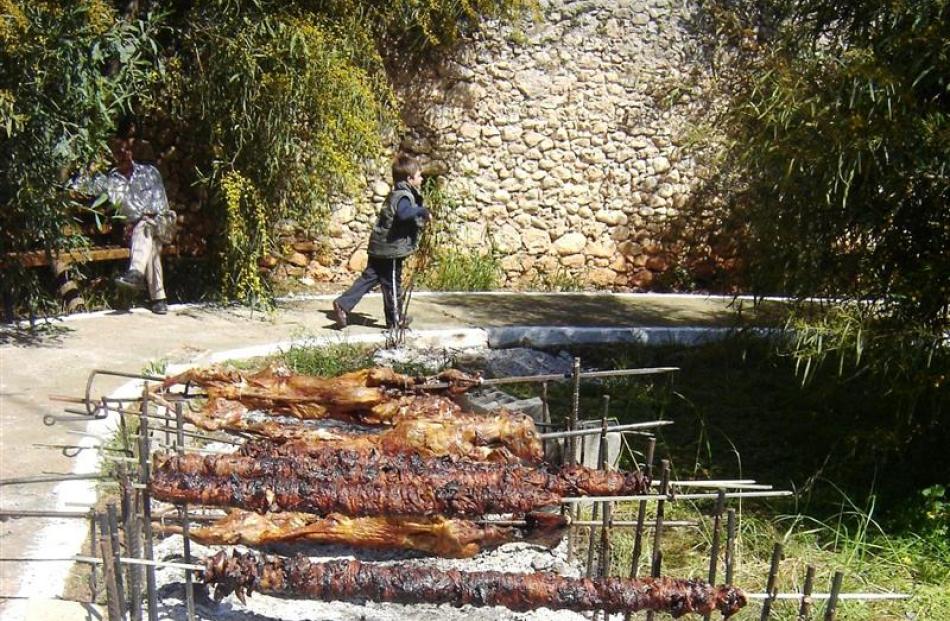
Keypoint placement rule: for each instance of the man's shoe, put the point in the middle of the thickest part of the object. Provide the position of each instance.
(132, 279)
(160, 307)
(340, 314)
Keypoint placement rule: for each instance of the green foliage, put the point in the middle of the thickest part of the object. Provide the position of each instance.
(461, 270)
(439, 264)
(559, 280)
(327, 360)
(294, 97)
(67, 71)
(740, 412)
(838, 140)
(836, 134)
(246, 239)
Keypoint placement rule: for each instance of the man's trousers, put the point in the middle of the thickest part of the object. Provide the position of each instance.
(147, 257)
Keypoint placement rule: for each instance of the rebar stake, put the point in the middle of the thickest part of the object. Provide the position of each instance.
(144, 475)
(657, 561)
(714, 544)
(804, 611)
(601, 461)
(113, 592)
(730, 545)
(183, 513)
(133, 538)
(93, 548)
(770, 589)
(641, 518)
(545, 415)
(575, 411)
(831, 608)
(110, 522)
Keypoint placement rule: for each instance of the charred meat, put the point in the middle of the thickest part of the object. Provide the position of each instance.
(353, 581)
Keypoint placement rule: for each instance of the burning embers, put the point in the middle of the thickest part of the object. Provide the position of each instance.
(420, 481)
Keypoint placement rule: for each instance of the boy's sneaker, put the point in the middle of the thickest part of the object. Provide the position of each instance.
(340, 314)
(132, 279)
(160, 307)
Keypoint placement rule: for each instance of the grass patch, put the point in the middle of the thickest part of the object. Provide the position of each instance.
(327, 360)
(456, 270)
(560, 280)
(868, 469)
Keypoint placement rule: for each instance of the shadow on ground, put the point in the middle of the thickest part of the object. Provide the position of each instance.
(588, 310)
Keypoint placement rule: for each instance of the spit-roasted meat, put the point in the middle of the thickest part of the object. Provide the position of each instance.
(219, 410)
(502, 436)
(353, 581)
(436, 535)
(358, 484)
(351, 395)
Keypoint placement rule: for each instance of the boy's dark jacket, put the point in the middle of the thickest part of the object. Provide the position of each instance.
(396, 233)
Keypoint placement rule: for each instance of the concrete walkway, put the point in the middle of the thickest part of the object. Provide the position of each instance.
(56, 360)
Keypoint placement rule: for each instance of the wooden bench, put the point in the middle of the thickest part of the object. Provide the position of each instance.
(68, 289)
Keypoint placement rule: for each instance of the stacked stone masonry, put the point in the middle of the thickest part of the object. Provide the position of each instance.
(560, 139)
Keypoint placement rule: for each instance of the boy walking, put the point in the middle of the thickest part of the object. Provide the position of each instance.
(395, 236)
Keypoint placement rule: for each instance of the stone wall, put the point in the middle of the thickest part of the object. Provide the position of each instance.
(559, 140)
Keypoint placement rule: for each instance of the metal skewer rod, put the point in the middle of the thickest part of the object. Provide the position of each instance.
(53, 478)
(556, 377)
(737, 484)
(633, 523)
(30, 513)
(675, 497)
(597, 430)
(867, 597)
(122, 559)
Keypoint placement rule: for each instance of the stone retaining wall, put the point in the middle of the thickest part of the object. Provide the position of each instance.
(561, 141)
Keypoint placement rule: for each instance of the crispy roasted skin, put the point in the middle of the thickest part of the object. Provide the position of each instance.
(500, 437)
(353, 581)
(363, 395)
(219, 410)
(437, 535)
(358, 484)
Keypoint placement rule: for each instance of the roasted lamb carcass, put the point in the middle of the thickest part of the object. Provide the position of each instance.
(352, 395)
(499, 437)
(358, 484)
(218, 411)
(437, 535)
(353, 581)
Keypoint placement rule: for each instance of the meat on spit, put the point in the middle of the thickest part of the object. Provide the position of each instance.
(356, 582)
(438, 536)
(358, 484)
(501, 436)
(361, 395)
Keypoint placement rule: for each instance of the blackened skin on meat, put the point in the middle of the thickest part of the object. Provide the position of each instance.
(392, 485)
(352, 581)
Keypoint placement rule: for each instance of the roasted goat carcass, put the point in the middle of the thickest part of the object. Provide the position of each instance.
(357, 484)
(501, 436)
(436, 535)
(360, 395)
(353, 581)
